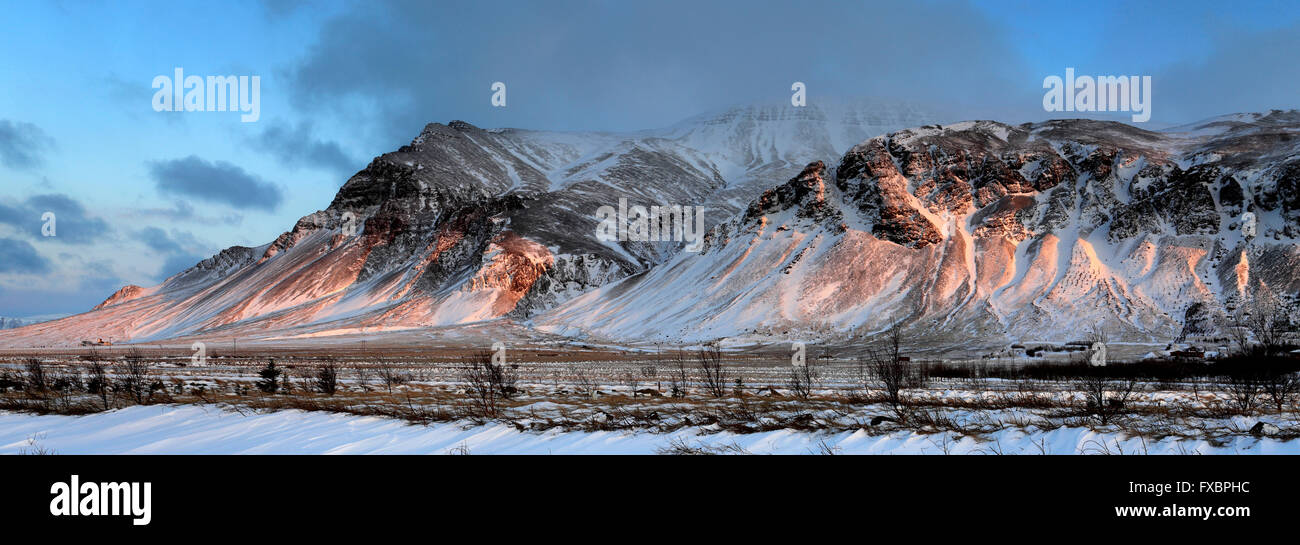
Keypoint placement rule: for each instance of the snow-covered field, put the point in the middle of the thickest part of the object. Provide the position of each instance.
(191, 429)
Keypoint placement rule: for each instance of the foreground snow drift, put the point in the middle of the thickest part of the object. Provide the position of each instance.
(187, 429)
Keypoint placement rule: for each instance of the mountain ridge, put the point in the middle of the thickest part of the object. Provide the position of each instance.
(466, 225)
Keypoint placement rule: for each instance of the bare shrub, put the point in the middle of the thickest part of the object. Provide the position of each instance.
(489, 382)
(803, 380)
(633, 382)
(1243, 390)
(713, 374)
(1237, 330)
(34, 447)
(1258, 375)
(891, 370)
(680, 447)
(825, 449)
(363, 377)
(391, 377)
(134, 379)
(10, 380)
(36, 379)
(1280, 387)
(1105, 398)
(584, 382)
(680, 378)
(478, 374)
(68, 380)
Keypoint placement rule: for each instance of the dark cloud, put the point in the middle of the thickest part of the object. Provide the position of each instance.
(217, 182)
(1246, 72)
(297, 146)
(18, 256)
(184, 211)
(73, 224)
(632, 65)
(90, 289)
(180, 249)
(22, 145)
(387, 68)
(158, 240)
(133, 99)
(281, 8)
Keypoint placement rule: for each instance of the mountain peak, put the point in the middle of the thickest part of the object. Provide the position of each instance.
(123, 295)
(978, 227)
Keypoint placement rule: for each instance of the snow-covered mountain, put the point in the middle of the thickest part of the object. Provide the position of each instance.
(826, 221)
(466, 224)
(984, 231)
(12, 323)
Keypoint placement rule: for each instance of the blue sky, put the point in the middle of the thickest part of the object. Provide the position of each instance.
(140, 194)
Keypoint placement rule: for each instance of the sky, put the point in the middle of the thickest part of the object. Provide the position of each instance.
(140, 195)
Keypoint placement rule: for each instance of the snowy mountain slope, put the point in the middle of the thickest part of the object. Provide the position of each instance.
(985, 231)
(759, 146)
(976, 230)
(466, 224)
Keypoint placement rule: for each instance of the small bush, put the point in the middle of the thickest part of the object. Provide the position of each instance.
(803, 379)
(134, 380)
(680, 378)
(712, 372)
(270, 376)
(327, 378)
(392, 377)
(489, 382)
(36, 379)
(1106, 399)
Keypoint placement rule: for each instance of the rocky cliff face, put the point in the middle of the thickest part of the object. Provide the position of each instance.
(971, 232)
(981, 231)
(467, 224)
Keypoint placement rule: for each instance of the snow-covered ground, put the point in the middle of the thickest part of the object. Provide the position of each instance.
(190, 429)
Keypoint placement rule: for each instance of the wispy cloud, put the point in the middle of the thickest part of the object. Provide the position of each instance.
(627, 65)
(74, 287)
(73, 223)
(183, 211)
(18, 256)
(180, 249)
(298, 146)
(22, 145)
(215, 182)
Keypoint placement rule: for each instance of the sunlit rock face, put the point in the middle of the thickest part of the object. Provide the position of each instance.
(829, 222)
(465, 225)
(981, 230)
